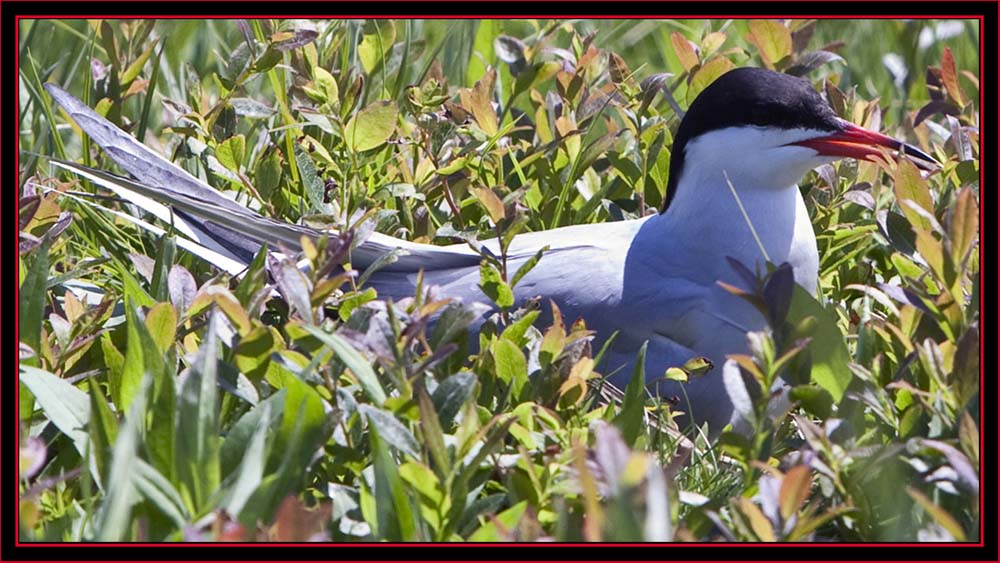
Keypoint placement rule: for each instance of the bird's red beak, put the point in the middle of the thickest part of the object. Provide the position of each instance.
(856, 142)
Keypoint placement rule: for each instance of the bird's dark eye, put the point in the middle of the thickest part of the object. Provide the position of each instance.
(760, 116)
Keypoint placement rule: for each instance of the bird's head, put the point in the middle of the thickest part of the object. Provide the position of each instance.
(768, 129)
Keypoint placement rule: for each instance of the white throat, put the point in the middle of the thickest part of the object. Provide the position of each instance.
(737, 178)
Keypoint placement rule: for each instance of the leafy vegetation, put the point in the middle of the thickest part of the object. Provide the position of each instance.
(162, 400)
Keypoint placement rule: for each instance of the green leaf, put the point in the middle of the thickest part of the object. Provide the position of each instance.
(326, 85)
(161, 322)
(452, 393)
(490, 201)
(66, 406)
(908, 185)
(633, 407)
(527, 266)
(231, 152)
(354, 361)
(772, 39)
(240, 434)
(371, 127)
(31, 300)
(113, 519)
(393, 506)
(267, 175)
(376, 42)
(251, 469)
(508, 519)
(515, 331)
(313, 185)
(827, 349)
(198, 423)
(492, 284)
(156, 489)
(133, 70)
(511, 365)
(391, 430)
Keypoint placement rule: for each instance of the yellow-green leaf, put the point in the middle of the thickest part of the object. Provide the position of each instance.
(161, 321)
(909, 185)
(773, 40)
(707, 75)
(326, 85)
(478, 102)
(376, 43)
(492, 203)
(230, 152)
(964, 225)
(371, 127)
(758, 522)
(685, 52)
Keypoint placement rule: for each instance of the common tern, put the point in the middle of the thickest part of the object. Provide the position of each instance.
(738, 154)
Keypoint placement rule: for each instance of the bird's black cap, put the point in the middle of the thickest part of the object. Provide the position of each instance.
(749, 97)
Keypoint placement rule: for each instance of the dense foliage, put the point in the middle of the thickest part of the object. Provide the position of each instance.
(161, 400)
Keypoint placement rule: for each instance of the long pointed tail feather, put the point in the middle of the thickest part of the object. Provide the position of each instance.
(216, 221)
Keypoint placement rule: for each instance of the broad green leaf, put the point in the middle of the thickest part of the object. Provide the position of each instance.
(371, 127)
(828, 349)
(240, 434)
(511, 365)
(161, 322)
(908, 185)
(231, 152)
(515, 331)
(422, 479)
(377, 41)
(267, 175)
(63, 403)
(773, 40)
(312, 184)
(492, 284)
(326, 85)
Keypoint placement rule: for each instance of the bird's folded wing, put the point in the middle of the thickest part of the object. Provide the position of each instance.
(206, 216)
